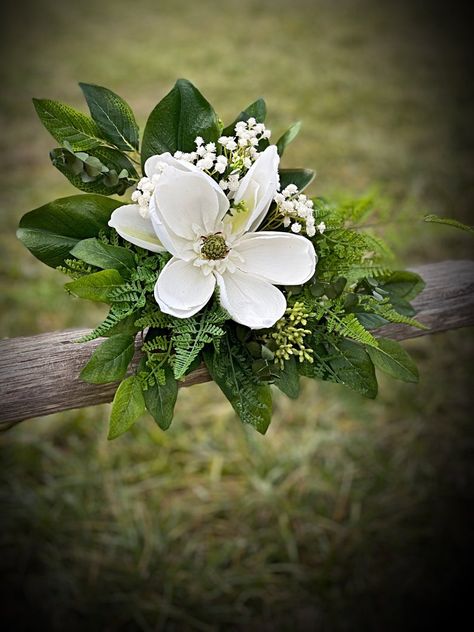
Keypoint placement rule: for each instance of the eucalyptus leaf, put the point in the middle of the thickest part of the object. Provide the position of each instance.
(300, 177)
(111, 173)
(51, 231)
(96, 253)
(181, 116)
(96, 286)
(113, 116)
(110, 361)
(68, 125)
(128, 405)
(392, 358)
(289, 136)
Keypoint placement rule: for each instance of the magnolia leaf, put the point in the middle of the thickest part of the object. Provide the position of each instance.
(289, 379)
(113, 116)
(300, 177)
(181, 116)
(110, 361)
(105, 256)
(128, 405)
(257, 110)
(351, 365)
(67, 125)
(51, 231)
(160, 399)
(289, 136)
(392, 358)
(95, 286)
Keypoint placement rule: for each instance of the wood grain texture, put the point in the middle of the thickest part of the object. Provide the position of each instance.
(39, 375)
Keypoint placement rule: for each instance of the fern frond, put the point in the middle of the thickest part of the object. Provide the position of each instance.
(114, 317)
(190, 335)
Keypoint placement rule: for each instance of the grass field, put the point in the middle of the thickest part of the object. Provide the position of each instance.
(348, 515)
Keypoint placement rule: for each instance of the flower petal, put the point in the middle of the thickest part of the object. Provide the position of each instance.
(264, 173)
(136, 229)
(182, 289)
(155, 165)
(185, 199)
(249, 300)
(280, 258)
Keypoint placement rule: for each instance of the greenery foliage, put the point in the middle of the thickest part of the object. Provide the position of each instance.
(325, 333)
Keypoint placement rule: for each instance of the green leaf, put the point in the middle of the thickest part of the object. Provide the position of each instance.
(105, 256)
(434, 219)
(352, 366)
(115, 176)
(289, 379)
(392, 358)
(251, 400)
(257, 109)
(96, 286)
(113, 116)
(127, 407)
(110, 361)
(289, 136)
(51, 231)
(160, 399)
(371, 321)
(403, 284)
(301, 177)
(178, 118)
(67, 125)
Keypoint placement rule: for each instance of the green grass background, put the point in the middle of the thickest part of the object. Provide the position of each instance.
(349, 514)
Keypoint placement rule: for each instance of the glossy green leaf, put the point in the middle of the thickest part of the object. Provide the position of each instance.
(113, 116)
(68, 125)
(289, 379)
(127, 407)
(96, 286)
(352, 366)
(392, 358)
(403, 284)
(301, 177)
(257, 109)
(96, 253)
(110, 361)
(289, 136)
(160, 399)
(51, 231)
(178, 118)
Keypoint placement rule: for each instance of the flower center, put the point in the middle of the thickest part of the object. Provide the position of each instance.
(214, 247)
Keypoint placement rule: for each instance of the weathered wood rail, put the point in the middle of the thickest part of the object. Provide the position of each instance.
(39, 375)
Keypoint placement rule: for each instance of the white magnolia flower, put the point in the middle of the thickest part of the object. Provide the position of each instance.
(211, 247)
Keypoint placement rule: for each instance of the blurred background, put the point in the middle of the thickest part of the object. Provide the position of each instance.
(349, 514)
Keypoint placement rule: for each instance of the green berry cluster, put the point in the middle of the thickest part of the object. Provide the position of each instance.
(290, 334)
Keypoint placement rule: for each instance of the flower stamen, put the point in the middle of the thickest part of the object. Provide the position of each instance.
(214, 247)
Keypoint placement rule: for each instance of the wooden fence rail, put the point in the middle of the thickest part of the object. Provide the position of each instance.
(39, 375)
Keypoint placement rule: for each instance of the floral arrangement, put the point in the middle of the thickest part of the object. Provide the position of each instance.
(219, 258)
